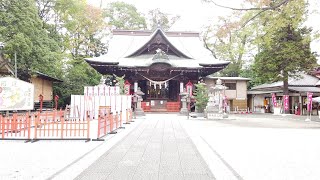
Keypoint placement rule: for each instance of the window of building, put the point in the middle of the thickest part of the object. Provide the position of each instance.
(231, 86)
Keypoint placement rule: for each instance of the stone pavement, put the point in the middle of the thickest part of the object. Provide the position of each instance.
(159, 148)
(258, 146)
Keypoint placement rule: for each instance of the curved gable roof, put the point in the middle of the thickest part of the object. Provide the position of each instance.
(153, 39)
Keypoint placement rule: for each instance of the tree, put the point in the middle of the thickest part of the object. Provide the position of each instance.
(120, 82)
(77, 75)
(121, 15)
(157, 18)
(285, 56)
(82, 38)
(284, 44)
(22, 33)
(260, 24)
(201, 96)
(79, 29)
(260, 6)
(228, 41)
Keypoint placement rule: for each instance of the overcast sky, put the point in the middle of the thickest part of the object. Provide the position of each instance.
(196, 14)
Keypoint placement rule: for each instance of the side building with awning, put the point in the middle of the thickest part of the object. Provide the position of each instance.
(260, 97)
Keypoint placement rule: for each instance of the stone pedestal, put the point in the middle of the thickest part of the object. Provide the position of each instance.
(139, 111)
(184, 108)
(137, 100)
(184, 100)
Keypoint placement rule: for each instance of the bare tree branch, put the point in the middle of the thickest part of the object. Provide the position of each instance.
(251, 9)
(243, 44)
(253, 17)
(207, 47)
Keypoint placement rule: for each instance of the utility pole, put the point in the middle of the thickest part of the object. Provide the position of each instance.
(15, 64)
(100, 3)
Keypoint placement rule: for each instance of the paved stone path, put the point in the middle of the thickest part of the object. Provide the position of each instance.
(156, 149)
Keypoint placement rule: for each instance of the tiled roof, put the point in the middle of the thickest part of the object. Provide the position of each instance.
(229, 78)
(303, 83)
(126, 43)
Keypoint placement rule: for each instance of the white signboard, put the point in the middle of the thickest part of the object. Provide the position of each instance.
(15, 94)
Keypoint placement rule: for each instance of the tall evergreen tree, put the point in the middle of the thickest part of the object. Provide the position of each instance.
(22, 33)
(286, 55)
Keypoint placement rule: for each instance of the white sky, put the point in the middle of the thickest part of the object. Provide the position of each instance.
(196, 14)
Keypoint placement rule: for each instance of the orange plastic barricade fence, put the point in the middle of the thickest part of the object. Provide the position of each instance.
(15, 127)
(103, 121)
(54, 126)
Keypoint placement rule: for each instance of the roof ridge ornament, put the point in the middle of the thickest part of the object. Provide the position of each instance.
(160, 55)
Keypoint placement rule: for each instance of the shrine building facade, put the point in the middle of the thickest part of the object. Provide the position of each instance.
(162, 64)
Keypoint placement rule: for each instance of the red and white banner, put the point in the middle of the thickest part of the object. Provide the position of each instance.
(309, 101)
(286, 102)
(274, 100)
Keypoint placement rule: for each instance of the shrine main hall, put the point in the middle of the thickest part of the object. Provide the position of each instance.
(162, 64)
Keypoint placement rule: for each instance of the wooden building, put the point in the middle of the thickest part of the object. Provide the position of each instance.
(43, 84)
(160, 63)
(260, 97)
(236, 91)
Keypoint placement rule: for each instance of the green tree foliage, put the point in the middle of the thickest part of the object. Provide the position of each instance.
(275, 29)
(120, 82)
(84, 30)
(201, 96)
(157, 18)
(227, 40)
(76, 77)
(22, 32)
(284, 44)
(121, 15)
(287, 54)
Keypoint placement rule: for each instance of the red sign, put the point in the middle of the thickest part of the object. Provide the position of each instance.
(286, 102)
(127, 87)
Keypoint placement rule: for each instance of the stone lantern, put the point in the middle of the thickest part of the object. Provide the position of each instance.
(185, 99)
(215, 104)
(137, 98)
